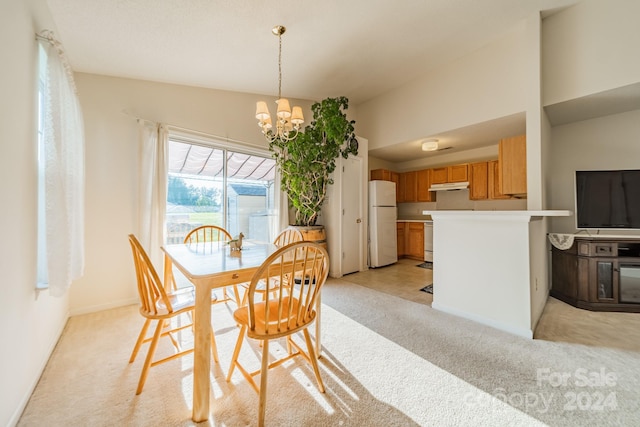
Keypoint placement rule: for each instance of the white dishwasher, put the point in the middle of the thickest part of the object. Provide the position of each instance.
(428, 241)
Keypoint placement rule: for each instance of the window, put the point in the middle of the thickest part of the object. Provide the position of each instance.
(215, 184)
(42, 279)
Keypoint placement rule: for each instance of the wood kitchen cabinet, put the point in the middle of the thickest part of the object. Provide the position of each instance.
(424, 182)
(512, 158)
(410, 186)
(401, 247)
(493, 184)
(458, 173)
(410, 240)
(381, 174)
(453, 173)
(479, 181)
(394, 177)
(414, 243)
(439, 175)
(400, 188)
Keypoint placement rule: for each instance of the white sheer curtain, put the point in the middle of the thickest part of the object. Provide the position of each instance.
(152, 196)
(64, 170)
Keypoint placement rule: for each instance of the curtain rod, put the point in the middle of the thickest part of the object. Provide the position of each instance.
(196, 132)
(48, 36)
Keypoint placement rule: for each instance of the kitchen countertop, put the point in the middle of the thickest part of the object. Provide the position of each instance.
(535, 214)
(423, 218)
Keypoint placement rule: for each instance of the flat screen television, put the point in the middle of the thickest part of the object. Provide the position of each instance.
(608, 199)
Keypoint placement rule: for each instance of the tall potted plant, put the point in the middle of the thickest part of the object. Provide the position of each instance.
(307, 161)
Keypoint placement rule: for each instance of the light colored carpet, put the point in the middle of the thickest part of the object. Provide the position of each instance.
(386, 362)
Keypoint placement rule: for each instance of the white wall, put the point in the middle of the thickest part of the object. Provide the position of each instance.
(112, 167)
(485, 85)
(31, 322)
(482, 268)
(610, 142)
(589, 48)
(536, 191)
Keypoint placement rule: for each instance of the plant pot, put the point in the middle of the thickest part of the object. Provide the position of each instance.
(313, 233)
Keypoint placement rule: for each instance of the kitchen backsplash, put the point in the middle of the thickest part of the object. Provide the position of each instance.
(457, 200)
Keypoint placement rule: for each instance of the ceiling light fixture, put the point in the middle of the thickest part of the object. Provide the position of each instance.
(429, 145)
(287, 121)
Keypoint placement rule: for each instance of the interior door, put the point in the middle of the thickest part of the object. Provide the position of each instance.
(352, 215)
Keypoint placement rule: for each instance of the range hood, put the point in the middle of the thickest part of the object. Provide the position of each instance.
(449, 186)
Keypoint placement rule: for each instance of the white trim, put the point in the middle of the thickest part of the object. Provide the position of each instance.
(207, 140)
(102, 307)
(525, 333)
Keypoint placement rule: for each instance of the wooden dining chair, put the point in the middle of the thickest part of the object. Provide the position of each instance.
(162, 306)
(286, 237)
(292, 310)
(213, 233)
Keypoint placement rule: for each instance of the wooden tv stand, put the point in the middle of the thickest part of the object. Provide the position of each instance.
(599, 274)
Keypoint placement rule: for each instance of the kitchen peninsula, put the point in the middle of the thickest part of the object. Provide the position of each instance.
(491, 266)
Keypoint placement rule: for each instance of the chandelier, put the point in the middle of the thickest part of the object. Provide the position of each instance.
(287, 121)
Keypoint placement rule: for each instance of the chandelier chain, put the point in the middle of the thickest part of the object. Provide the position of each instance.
(279, 66)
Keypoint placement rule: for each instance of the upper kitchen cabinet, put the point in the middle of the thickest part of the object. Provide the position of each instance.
(458, 173)
(395, 177)
(493, 184)
(478, 181)
(453, 173)
(381, 174)
(424, 182)
(439, 175)
(408, 187)
(512, 161)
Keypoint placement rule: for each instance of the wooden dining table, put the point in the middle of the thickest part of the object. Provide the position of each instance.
(211, 265)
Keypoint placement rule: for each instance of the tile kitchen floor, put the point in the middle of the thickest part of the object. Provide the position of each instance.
(559, 321)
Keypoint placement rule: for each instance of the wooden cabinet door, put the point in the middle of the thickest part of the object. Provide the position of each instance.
(415, 240)
(494, 181)
(603, 280)
(393, 177)
(424, 182)
(478, 181)
(458, 173)
(411, 186)
(512, 155)
(401, 188)
(400, 226)
(439, 175)
(564, 274)
(380, 174)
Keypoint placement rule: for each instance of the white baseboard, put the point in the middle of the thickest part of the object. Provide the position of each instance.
(101, 307)
(522, 332)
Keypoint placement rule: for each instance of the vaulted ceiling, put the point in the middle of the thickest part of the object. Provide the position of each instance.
(355, 48)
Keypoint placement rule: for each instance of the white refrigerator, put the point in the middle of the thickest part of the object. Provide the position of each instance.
(383, 245)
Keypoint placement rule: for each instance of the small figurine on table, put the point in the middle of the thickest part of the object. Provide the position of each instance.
(236, 244)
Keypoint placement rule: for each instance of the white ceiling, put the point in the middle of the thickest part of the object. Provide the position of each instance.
(356, 48)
